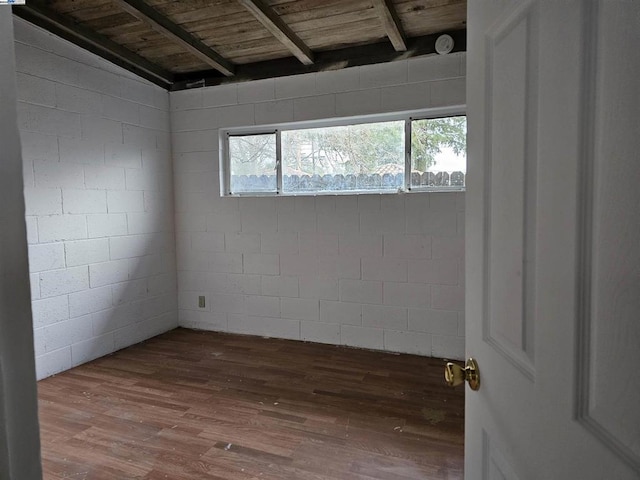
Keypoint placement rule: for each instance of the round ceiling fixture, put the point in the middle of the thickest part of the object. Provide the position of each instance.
(444, 44)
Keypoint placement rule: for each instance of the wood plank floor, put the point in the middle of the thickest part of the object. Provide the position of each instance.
(204, 405)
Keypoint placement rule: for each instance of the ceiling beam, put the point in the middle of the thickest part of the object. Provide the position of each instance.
(392, 24)
(35, 12)
(272, 22)
(177, 34)
(324, 61)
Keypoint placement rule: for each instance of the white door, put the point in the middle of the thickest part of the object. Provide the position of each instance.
(553, 239)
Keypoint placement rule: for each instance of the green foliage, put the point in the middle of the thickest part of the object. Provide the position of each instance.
(430, 136)
(345, 149)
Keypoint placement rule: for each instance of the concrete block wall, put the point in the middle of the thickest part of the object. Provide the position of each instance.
(99, 201)
(374, 271)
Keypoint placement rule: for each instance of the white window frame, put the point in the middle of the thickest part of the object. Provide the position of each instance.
(408, 117)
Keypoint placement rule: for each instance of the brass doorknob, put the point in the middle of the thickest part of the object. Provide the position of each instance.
(455, 375)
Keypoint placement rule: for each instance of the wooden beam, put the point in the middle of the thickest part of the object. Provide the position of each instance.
(324, 61)
(272, 22)
(35, 12)
(392, 24)
(177, 34)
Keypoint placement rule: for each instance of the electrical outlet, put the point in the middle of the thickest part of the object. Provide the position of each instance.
(201, 301)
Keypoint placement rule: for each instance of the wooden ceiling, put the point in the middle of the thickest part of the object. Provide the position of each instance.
(187, 43)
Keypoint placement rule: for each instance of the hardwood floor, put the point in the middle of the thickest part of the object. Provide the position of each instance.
(204, 405)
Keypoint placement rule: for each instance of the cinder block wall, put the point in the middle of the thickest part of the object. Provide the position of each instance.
(99, 202)
(374, 271)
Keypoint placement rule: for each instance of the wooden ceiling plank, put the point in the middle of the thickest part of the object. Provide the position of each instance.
(260, 57)
(180, 65)
(113, 32)
(216, 38)
(308, 20)
(64, 7)
(131, 39)
(98, 12)
(249, 48)
(163, 25)
(224, 22)
(181, 12)
(450, 17)
(315, 10)
(287, 6)
(345, 35)
(392, 24)
(35, 12)
(279, 29)
(338, 21)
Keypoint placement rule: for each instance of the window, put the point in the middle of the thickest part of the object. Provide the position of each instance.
(401, 153)
(438, 152)
(252, 161)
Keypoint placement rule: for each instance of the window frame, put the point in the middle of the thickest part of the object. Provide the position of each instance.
(276, 128)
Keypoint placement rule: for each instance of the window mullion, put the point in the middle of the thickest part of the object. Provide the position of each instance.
(407, 154)
(227, 165)
(278, 162)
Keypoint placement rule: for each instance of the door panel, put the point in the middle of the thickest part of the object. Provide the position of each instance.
(510, 170)
(610, 303)
(553, 239)
(495, 467)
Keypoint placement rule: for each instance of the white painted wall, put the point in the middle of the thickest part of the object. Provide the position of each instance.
(19, 434)
(374, 271)
(99, 201)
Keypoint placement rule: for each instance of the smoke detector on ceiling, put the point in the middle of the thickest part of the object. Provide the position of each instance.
(444, 44)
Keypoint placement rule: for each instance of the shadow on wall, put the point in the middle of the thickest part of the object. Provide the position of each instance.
(96, 296)
(99, 202)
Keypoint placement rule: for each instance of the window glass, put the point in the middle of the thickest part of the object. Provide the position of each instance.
(439, 152)
(350, 157)
(252, 163)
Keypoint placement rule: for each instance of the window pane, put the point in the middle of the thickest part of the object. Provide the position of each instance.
(439, 152)
(252, 163)
(350, 157)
